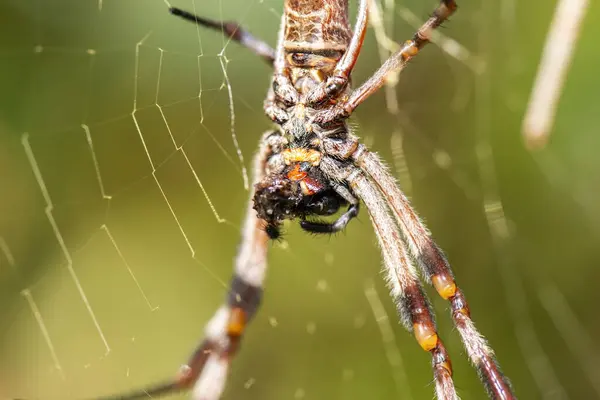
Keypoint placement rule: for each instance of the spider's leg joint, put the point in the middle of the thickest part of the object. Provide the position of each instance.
(445, 285)
(334, 227)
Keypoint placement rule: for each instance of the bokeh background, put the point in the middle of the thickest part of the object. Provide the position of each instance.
(121, 110)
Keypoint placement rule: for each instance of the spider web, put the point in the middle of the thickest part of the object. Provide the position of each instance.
(125, 136)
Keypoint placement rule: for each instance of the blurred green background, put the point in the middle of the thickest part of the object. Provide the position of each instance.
(72, 72)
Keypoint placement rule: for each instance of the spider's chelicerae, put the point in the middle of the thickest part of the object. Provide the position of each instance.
(310, 164)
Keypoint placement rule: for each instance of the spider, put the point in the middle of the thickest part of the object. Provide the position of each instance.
(311, 164)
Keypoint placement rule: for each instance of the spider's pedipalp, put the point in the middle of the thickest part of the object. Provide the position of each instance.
(435, 269)
(412, 304)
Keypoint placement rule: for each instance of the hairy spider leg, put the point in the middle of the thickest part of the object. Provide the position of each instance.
(339, 224)
(400, 59)
(437, 271)
(207, 368)
(341, 74)
(331, 227)
(226, 327)
(412, 304)
(233, 31)
(344, 67)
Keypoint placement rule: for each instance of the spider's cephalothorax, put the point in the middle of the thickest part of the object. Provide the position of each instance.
(312, 165)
